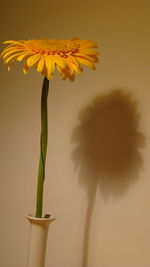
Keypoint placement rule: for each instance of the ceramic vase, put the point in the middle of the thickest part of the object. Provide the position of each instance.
(38, 240)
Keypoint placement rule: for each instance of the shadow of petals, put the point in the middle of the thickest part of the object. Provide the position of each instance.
(108, 143)
(107, 151)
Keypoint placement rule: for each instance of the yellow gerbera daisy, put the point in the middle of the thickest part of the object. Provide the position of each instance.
(45, 55)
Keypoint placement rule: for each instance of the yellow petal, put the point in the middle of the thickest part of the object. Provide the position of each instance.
(72, 77)
(13, 42)
(40, 64)
(66, 74)
(92, 58)
(10, 52)
(9, 66)
(33, 59)
(25, 68)
(70, 67)
(49, 75)
(74, 67)
(22, 56)
(50, 64)
(87, 51)
(63, 76)
(74, 60)
(87, 63)
(7, 50)
(12, 57)
(62, 73)
(60, 61)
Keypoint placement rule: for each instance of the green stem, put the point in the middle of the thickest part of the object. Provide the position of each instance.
(43, 148)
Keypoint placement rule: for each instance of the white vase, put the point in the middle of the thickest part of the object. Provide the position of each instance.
(38, 240)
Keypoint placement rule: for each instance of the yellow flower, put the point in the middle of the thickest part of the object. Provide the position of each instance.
(45, 55)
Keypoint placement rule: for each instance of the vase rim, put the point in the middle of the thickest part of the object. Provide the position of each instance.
(46, 219)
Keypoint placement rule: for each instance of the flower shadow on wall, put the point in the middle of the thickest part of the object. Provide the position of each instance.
(107, 150)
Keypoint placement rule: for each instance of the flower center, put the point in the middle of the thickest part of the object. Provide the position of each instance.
(62, 48)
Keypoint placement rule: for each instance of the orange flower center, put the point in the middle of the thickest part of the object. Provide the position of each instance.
(62, 48)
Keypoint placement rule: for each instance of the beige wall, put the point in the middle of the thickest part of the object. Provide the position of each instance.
(98, 170)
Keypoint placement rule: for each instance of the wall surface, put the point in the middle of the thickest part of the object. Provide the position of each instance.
(98, 163)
